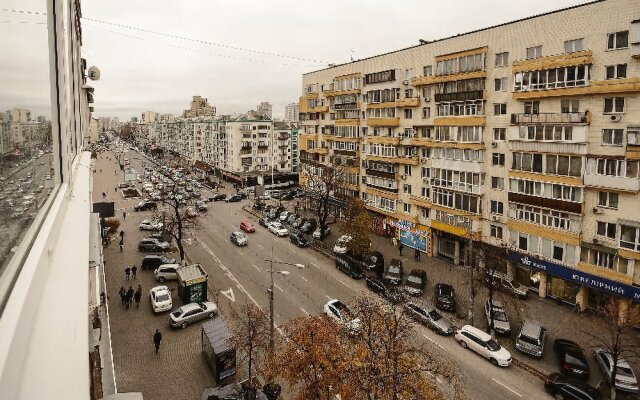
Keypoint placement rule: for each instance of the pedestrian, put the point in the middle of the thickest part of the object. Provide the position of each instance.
(122, 294)
(134, 270)
(124, 215)
(394, 241)
(417, 256)
(127, 271)
(122, 234)
(400, 248)
(116, 189)
(137, 296)
(157, 338)
(104, 195)
(121, 244)
(130, 294)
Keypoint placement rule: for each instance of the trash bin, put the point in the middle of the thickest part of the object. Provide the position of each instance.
(192, 284)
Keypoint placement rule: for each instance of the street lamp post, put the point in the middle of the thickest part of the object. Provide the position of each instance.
(272, 323)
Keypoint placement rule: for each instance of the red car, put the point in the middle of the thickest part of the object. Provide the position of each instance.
(247, 226)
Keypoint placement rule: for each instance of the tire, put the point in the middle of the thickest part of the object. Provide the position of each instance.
(494, 362)
(183, 325)
(463, 344)
(211, 315)
(161, 279)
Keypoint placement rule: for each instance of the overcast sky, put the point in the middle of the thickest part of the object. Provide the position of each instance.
(144, 71)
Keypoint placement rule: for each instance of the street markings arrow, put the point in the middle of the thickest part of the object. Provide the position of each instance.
(229, 294)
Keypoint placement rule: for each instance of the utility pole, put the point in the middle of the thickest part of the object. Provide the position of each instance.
(272, 323)
(473, 290)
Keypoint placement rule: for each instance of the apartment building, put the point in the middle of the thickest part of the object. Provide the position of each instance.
(523, 139)
(291, 112)
(150, 117)
(199, 108)
(265, 108)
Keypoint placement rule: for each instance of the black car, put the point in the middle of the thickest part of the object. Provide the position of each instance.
(298, 239)
(349, 266)
(374, 261)
(309, 226)
(145, 206)
(287, 196)
(218, 197)
(445, 296)
(416, 281)
(242, 195)
(572, 360)
(234, 198)
(394, 272)
(153, 261)
(388, 292)
(568, 388)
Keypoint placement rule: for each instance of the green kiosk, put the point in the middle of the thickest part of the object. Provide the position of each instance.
(192, 284)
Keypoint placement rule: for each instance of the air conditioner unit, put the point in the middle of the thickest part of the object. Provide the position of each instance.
(404, 177)
(495, 217)
(494, 144)
(426, 180)
(405, 82)
(597, 210)
(595, 240)
(615, 118)
(424, 159)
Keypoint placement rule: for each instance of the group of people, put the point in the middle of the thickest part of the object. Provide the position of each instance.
(131, 272)
(394, 241)
(129, 296)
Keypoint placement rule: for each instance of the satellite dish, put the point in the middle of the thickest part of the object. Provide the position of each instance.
(94, 73)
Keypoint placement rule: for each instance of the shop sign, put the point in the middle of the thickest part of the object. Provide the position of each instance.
(579, 277)
(408, 226)
(414, 241)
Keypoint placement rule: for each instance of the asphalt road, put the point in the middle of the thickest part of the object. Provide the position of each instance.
(241, 275)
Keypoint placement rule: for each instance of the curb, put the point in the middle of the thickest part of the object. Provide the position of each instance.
(533, 371)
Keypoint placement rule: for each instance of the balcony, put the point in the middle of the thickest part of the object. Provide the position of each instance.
(550, 118)
(459, 186)
(319, 150)
(433, 79)
(384, 188)
(408, 102)
(383, 140)
(377, 122)
(460, 96)
(612, 182)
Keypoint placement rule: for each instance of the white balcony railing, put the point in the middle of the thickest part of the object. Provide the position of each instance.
(612, 182)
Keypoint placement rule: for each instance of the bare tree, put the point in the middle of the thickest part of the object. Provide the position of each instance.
(357, 224)
(324, 183)
(251, 336)
(617, 335)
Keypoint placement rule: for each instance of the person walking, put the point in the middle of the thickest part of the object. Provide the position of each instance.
(124, 215)
(134, 271)
(121, 245)
(104, 195)
(417, 255)
(122, 294)
(122, 235)
(137, 296)
(394, 241)
(400, 248)
(157, 338)
(130, 294)
(127, 271)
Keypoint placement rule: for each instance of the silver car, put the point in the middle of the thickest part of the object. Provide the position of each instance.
(191, 313)
(625, 377)
(429, 317)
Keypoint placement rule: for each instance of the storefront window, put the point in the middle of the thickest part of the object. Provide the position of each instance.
(562, 290)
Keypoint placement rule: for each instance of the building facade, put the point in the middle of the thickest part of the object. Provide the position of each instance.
(150, 117)
(199, 108)
(522, 138)
(291, 112)
(265, 108)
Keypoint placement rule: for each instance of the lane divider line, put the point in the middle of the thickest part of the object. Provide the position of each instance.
(506, 387)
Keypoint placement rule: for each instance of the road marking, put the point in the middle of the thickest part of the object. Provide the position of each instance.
(330, 298)
(256, 267)
(432, 341)
(315, 265)
(260, 246)
(229, 294)
(305, 311)
(303, 278)
(279, 288)
(339, 280)
(506, 387)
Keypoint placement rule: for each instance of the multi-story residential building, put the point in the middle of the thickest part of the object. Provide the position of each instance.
(523, 139)
(17, 115)
(199, 108)
(291, 112)
(149, 117)
(265, 108)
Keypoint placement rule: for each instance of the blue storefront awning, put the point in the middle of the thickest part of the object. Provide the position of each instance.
(575, 276)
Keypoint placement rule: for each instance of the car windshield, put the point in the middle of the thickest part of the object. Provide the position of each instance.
(393, 270)
(177, 313)
(435, 315)
(414, 279)
(625, 371)
(240, 235)
(341, 242)
(499, 315)
(529, 340)
(163, 297)
(574, 360)
(492, 345)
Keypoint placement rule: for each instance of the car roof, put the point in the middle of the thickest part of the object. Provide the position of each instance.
(417, 271)
(189, 307)
(495, 303)
(160, 289)
(531, 328)
(482, 335)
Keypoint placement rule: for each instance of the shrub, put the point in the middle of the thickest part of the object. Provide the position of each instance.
(113, 224)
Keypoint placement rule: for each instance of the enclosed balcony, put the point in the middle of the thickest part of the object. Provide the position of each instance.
(550, 118)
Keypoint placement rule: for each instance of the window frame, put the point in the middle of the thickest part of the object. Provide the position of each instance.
(612, 40)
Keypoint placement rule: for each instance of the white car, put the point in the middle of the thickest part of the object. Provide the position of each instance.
(481, 342)
(150, 225)
(278, 229)
(284, 215)
(500, 320)
(160, 299)
(341, 244)
(318, 235)
(625, 377)
(339, 312)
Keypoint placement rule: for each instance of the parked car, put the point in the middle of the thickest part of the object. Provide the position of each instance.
(566, 388)
(192, 312)
(394, 272)
(349, 266)
(625, 379)
(298, 239)
(481, 342)
(298, 222)
(160, 299)
(291, 219)
(233, 199)
(287, 197)
(531, 338)
(152, 244)
(218, 197)
(321, 235)
(341, 244)
(166, 272)
(309, 226)
(445, 296)
(153, 261)
(416, 282)
(572, 360)
(500, 319)
(201, 206)
(150, 225)
(145, 205)
(264, 221)
(374, 261)
(429, 317)
(284, 215)
(247, 226)
(391, 293)
(339, 312)
(501, 282)
(278, 229)
(239, 239)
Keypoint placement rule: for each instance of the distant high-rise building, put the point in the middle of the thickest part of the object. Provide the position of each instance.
(42, 118)
(134, 119)
(291, 112)
(149, 117)
(17, 115)
(167, 118)
(199, 108)
(265, 108)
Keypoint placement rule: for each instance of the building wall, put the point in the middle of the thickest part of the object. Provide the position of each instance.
(291, 112)
(408, 133)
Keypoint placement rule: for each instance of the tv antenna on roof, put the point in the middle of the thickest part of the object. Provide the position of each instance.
(352, 55)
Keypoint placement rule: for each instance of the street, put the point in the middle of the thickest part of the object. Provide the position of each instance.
(241, 275)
